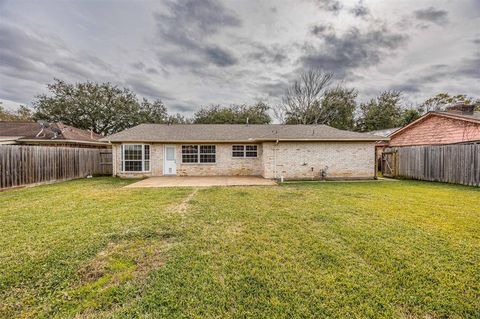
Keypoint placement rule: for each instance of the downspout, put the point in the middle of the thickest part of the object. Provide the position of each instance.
(275, 160)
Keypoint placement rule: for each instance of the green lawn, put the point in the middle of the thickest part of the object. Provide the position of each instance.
(92, 249)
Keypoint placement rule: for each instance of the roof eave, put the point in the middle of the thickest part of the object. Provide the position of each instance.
(254, 140)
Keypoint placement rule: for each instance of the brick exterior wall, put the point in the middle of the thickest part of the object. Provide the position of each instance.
(344, 160)
(437, 130)
(225, 164)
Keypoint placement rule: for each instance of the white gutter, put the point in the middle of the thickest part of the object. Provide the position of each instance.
(260, 140)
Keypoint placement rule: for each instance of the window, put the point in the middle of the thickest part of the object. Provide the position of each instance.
(250, 150)
(198, 154)
(135, 158)
(238, 150)
(242, 151)
(189, 153)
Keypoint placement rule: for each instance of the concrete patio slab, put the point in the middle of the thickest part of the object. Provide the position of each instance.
(202, 181)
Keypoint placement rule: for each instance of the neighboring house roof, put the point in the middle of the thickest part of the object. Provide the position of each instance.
(475, 116)
(235, 133)
(384, 132)
(32, 131)
(471, 118)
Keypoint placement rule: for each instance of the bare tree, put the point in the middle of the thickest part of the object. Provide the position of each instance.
(302, 102)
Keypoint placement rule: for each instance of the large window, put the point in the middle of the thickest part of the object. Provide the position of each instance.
(242, 151)
(198, 154)
(135, 158)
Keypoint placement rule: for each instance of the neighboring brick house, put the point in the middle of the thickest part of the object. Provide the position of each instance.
(271, 151)
(53, 134)
(459, 124)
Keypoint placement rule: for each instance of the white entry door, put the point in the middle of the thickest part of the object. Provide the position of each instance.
(169, 161)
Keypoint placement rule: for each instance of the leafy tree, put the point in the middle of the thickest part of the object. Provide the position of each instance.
(410, 115)
(178, 119)
(302, 102)
(5, 115)
(381, 113)
(440, 101)
(235, 114)
(102, 107)
(338, 108)
(22, 114)
(152, 112)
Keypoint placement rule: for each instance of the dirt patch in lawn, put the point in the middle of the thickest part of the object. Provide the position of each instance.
(125, 258)
(183, 206)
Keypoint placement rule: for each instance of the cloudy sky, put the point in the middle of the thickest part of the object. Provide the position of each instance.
(190, 53)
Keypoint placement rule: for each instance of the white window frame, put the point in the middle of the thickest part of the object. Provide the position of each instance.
(143, 160)
(244, 151)
(199, 153)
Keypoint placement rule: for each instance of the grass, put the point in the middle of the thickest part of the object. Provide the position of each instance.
(92, 249)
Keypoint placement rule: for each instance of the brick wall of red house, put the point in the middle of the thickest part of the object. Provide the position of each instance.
(437, 130)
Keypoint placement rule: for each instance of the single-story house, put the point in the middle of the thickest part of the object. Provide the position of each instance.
(458, 124)
(271, 151)
(48, 134)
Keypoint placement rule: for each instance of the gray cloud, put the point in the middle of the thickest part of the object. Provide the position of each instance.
(334, 6)
(268, 54)
(406, 87)
(152, 71)
(360, 10)
(469, 68)
(182, 107)
(30, 57)
(138, 65)
(187, 29)
(353, 49)
(434, 76)
(436, 16)
(146, 88)
(219, 56)
(322, 29)
(275, 89)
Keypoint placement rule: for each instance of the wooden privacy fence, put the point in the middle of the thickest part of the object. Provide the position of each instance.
(24, 165)
(454, 163)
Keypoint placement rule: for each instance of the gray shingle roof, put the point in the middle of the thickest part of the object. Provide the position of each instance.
(235, 133)
(52, 131)
(474, 116)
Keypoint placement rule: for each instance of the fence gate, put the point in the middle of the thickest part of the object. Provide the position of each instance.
(106, 162)
(389, 164)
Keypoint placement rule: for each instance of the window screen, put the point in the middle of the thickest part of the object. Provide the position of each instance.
(135, 157)
(189, 153)
(242, 151)
(198, 154)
